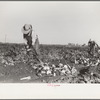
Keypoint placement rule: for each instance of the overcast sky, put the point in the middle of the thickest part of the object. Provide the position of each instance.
(55, 22)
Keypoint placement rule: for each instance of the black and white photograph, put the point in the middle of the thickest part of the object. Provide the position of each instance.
(50, 42)
(49, 49)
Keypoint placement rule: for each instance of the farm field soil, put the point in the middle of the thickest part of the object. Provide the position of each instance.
(13, 74)
(16, 67)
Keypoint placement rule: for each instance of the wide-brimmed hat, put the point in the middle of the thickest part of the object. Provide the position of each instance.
(27, 26)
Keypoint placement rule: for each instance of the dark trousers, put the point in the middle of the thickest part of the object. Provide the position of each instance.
(28, 39)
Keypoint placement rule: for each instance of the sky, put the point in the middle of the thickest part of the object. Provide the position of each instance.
(55, 22)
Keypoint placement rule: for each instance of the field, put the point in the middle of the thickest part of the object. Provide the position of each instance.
(60, 64)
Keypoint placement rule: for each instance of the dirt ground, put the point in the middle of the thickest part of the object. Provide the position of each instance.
(17, 67)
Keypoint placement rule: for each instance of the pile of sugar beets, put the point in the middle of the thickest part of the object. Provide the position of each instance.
(85, 72)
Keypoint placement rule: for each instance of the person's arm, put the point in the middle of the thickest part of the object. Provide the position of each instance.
(30, 32)
(97, 45)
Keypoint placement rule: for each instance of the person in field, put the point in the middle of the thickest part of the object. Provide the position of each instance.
(27, 34)
(31, 50)
(92, 47)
